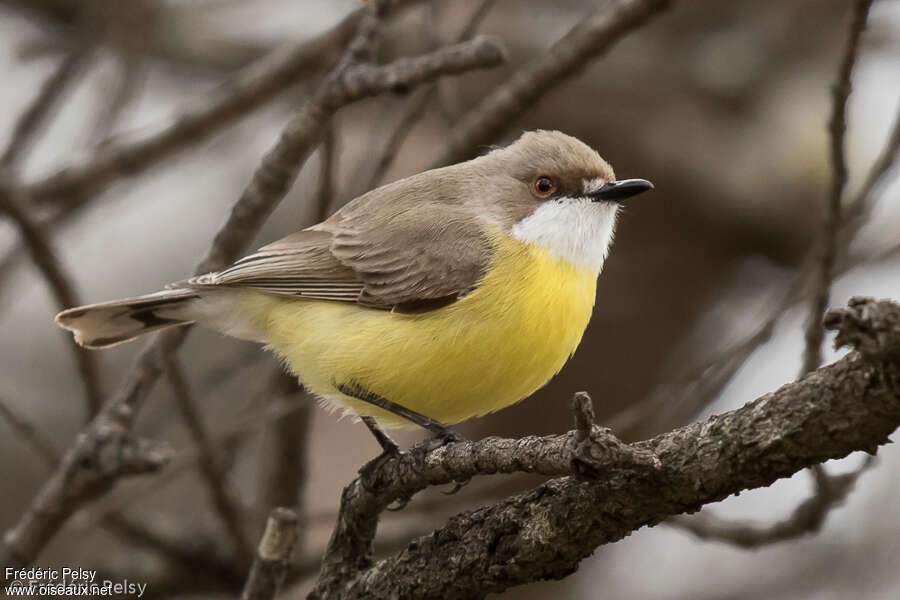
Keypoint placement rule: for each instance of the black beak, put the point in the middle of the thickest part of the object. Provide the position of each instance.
(616, 191)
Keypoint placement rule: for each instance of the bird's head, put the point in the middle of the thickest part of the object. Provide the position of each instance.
(554, 191)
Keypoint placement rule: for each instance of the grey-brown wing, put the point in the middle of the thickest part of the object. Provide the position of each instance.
(414, 259)
(300, 264)
(402, 247)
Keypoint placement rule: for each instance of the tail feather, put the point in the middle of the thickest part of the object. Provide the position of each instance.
(110, 323)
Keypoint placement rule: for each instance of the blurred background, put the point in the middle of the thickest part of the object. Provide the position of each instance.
(723, 105)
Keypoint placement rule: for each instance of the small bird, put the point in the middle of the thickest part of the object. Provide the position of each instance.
(440, 297)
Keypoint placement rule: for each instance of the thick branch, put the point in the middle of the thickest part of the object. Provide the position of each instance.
(853, 404)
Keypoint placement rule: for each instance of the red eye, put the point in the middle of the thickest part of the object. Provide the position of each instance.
(544, 185)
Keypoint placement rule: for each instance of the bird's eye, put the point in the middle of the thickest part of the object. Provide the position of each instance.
(544, 185)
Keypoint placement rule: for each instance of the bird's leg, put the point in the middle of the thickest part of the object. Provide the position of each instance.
(388, 446)
(441, 432)
(442, 435)
(389, 451)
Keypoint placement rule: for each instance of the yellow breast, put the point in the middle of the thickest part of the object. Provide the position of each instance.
(484, 352)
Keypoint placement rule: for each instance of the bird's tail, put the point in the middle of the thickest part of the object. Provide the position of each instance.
(111, 323)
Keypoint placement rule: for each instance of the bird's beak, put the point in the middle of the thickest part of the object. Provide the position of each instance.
(616, 191)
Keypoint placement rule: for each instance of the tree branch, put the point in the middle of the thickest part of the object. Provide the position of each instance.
(853, 404)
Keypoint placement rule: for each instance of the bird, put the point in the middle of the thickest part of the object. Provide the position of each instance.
(440, 297)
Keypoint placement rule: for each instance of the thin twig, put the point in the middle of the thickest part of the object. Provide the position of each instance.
(272, 556)
(856, 212)
(807, 518)
(61, 287)
(29, 124)
(30, 434)
(822, 264)
(129, 80)
(216, 481)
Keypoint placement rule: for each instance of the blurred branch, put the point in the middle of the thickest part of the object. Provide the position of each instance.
(857, 210)
(30, 434)
(198, 558)
(807, 518)
(246, 91)
(61, 287)
(853, 404)
(272, 556)
(129, 76)
(30, 122)
(78, 480)
(327, 168)
(210, 469)
(590, 38)
(290, 436)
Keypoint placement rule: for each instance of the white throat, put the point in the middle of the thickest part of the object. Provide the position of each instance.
(574, 229)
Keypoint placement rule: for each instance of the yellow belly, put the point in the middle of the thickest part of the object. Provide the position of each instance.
(482, 353)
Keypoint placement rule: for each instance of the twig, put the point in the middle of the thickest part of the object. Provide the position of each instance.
(857, 210)
(824, 258)
(272, 556)
(29, 434)
(29, 124)
(45, 260)
(77, 480)
(590, 38)
(851, 405)
(807, 518)
(229, 515)
(129, 80)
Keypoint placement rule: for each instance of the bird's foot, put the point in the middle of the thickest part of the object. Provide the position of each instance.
(390, 451)
(444, 436)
